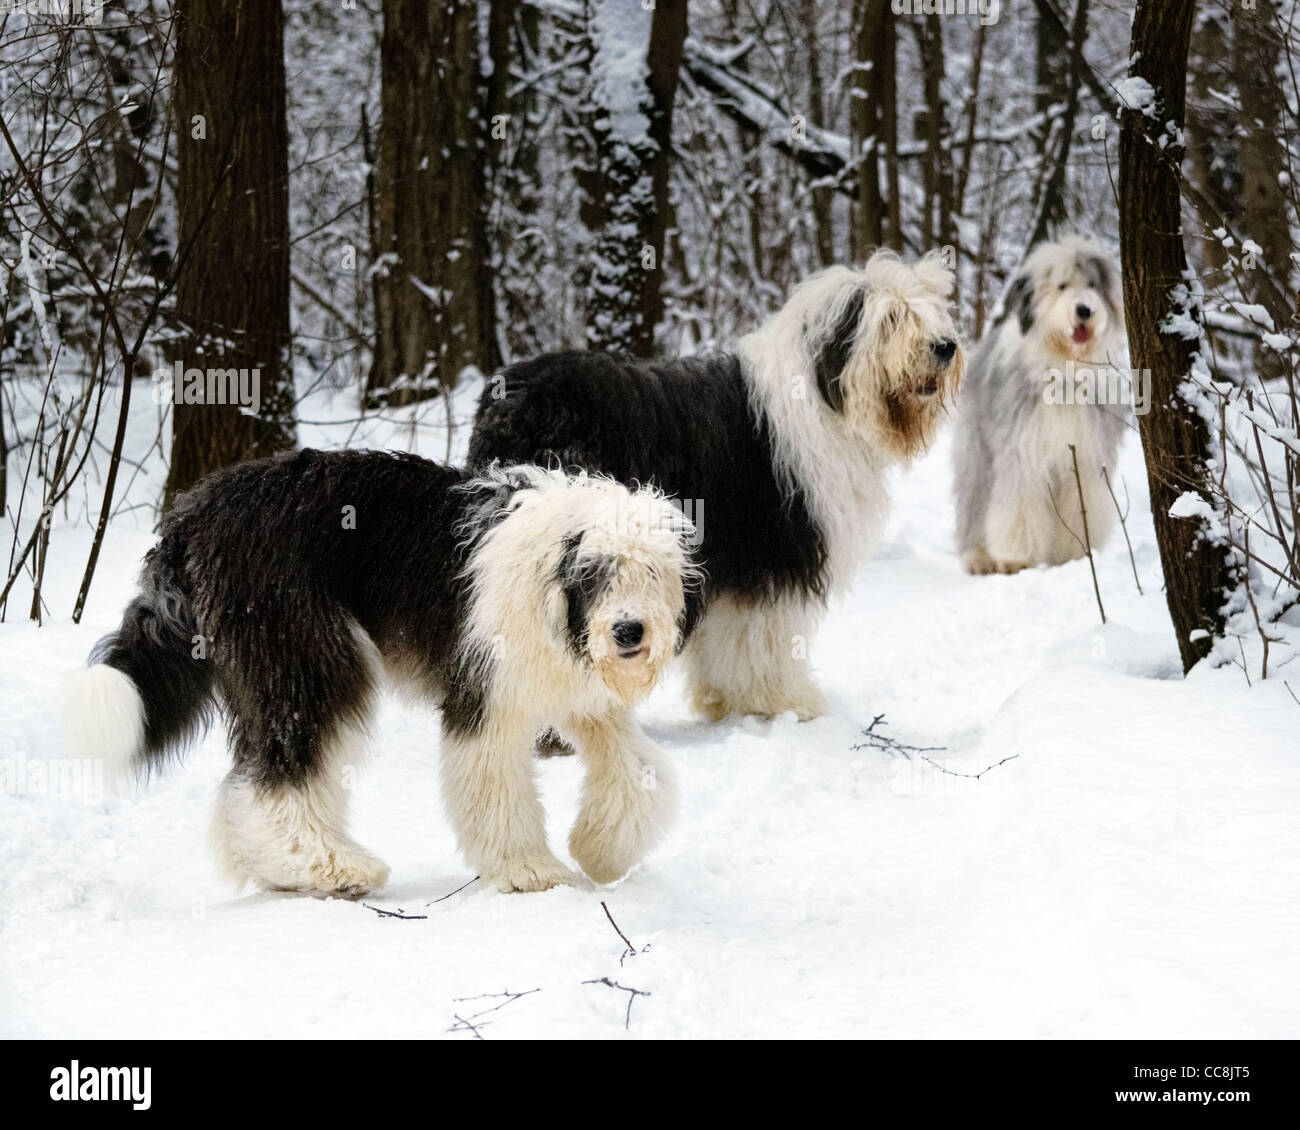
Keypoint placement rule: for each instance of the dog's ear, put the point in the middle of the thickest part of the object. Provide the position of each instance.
(582, 583)
(566, 570)
(692, 612)
(834, 349)
(934, 275)
(1102, 277)
(1020, 302)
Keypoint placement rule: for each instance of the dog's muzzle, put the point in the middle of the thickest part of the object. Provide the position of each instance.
(942, 351)
(628, 634)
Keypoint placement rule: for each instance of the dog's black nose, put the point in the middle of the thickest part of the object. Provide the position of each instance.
(628, 633)
(1084, 312)
(944, 349)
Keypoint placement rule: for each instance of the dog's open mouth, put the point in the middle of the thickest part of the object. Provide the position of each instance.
(1082, 334)
(931, 387)
(631, 653)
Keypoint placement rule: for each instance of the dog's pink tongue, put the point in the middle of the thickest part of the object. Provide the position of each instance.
(1081, 334)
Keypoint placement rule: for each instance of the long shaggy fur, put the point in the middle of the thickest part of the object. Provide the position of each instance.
(781, 449)
(1017, 500)
(287, 590)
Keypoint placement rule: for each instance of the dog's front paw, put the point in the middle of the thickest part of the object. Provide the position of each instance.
(807, 704)
(710, 703)
(605, 854)
(530, 873)
(348, 874)
(609, 839)
(978, 563)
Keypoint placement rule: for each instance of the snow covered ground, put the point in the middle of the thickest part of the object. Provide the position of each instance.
(1099, 848)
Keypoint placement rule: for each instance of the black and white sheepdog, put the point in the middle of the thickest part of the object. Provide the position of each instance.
(779, 451)
(284, 589)
(1045, 376)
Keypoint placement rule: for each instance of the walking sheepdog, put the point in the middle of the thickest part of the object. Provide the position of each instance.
(1045, 376)
(778, 450)
(516, 601)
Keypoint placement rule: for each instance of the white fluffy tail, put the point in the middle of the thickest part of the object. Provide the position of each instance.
(102, 715)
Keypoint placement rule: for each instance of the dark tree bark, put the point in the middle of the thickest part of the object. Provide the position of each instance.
(939, 228)
(1051, 69)
(972, 114)
(667, 42)
(889, 121)
(750, 145)
(625, 189)
(434, 299)
(514, 185)
(1053, 209)
(1176, 438)
(871, 24)
(1266, 218)
(821, 197)
(1212, 154)
(232, 291)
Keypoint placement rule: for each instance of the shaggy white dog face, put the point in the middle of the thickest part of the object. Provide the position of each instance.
(1067, 299)
(880, 344)
(607, 571)
(622, 576)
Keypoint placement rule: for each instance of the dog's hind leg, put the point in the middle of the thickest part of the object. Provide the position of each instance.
(298, 718)
(628, 799)
(752, 658)
(490, 793)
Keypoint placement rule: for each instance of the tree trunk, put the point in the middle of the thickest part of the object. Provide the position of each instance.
(625, 178)
(1176, 438)
(232, 293)
(751, 142)
(972, 115)
(1211, 128)
(889, 123)
(871, 22)
(1051, 69)
(434, 309)
(1265, 215)
(667, 41)
(939, 228)
(821, 197)
(514, 184)
(1053, 208)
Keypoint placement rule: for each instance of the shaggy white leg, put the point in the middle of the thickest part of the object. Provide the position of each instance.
(753, 659)
(628, 799)
(1011, 535)
(491, 797)
(293, 837)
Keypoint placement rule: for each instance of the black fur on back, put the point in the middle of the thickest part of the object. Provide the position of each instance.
(685, 426)
(273, 562)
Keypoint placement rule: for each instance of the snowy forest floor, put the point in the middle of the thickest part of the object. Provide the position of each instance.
(1098, 849)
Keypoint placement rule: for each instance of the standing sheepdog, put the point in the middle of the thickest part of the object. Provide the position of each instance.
(517, 601)
(1044, 377)
(779, 450)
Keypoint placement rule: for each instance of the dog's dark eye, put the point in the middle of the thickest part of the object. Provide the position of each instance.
(590, 581)
(1062, 286)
